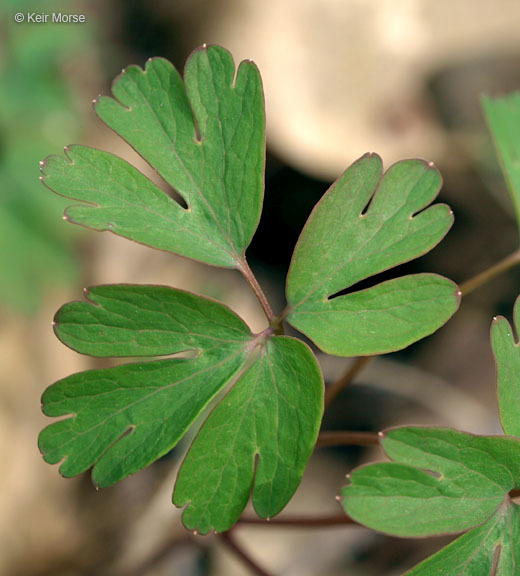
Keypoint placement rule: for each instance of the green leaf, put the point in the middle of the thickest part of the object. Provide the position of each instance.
(495, 545)
(124, 418)
(262, 434)
(119, 420)
(344, 243)
(205, 138)
(507, 358)
(440, 480)
(136, 320)
(503, 117)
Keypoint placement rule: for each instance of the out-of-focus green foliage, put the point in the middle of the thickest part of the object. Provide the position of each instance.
(503, 117)
(37, 112)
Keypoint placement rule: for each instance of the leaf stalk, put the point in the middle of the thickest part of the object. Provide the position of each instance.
(345, 379)
(487, 275)
(247, 273)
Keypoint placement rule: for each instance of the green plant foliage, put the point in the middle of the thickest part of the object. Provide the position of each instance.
(126, 417)
(503, 117)
(139, 320)
(440, 480)
(205, 138)
(445, 481)
(272, 415)
(342, 245)
(37, 108)
(507, 357)
(491, 548)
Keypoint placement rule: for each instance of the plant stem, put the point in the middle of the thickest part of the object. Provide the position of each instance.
(345, 438)
(247, 273)
(345, 379)
(487, 275)
(233, 546)
(301, 521)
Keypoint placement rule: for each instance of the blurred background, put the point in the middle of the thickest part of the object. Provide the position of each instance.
(341, 77)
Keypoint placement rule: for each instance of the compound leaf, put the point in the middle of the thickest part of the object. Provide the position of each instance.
(344, 243)
(507, 357)
(503, 117)
(265, 429)
(440, 480)
(205, 137)
(120, 419)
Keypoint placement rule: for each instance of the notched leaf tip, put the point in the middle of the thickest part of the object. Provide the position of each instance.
(369, 155)
(66, 150)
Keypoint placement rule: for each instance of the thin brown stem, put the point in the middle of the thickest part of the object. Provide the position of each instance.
(301, 521)
(345, 379)
(347, 438)
(483, 277)
(247, 273)
(233, 546)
